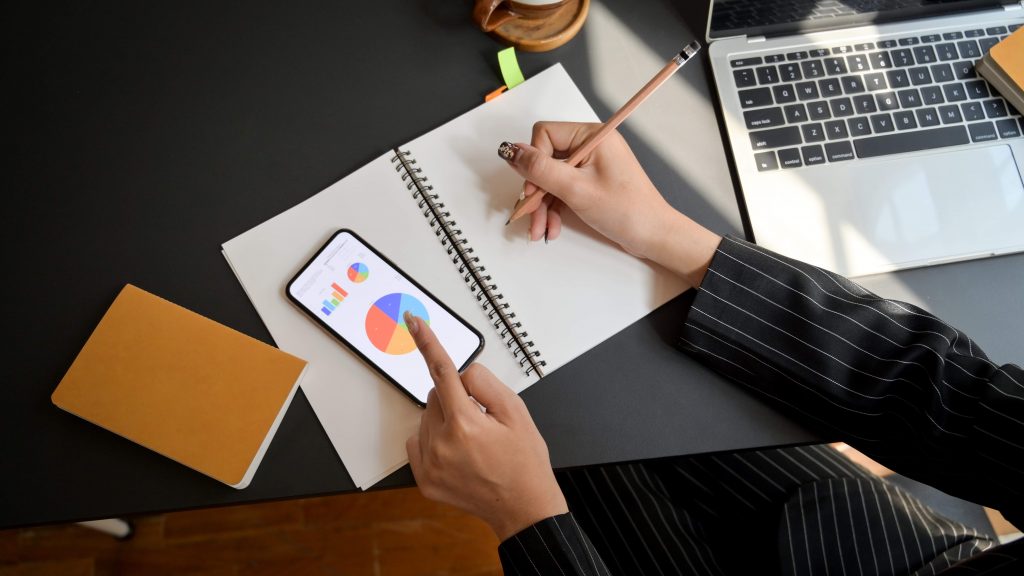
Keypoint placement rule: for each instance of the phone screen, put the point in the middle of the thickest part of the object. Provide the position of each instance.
(360, 297)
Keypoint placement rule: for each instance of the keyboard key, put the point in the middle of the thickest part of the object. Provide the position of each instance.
(813, 133)
(775, 138)
(839, 151)
(963, 70)
(904, 120)
(857, 63)
(755, 97)
(954, 92)
(974, 33)
(830, 87)
(950, 114)
(986, 44)
(864, 104)
(818, 110)
(995, 30)
(976, 89)
(842, 49)
(942, 72)
(859, 126)
(902, 57)
(929, 38)
(927, 117)
(835, 66)
(952, 35)
(909, 98)
(802, 55)
(947, 52)
(806, 90)
(996, 108)
(982, 132)
(764, 118)
(924, 54)
(873, 146)
(919, 76)
(744, 78)
(887, 101)
(881, 123)
(932, 95)
(1013, 28)
(886, 43)
(766, 161)
(864, 47)
(973, 111)
(819, 52)
(748, 61)
(841, 107)
(796, 113)
(790, 158)
(767, 75)
(852, 84)
(813, 155)
(908, 41)
(969, 49)
(898, 78)
(880, 60)
(784, 93)
(812, 69)
(1007, 128)
(875, 81)
(790, 72)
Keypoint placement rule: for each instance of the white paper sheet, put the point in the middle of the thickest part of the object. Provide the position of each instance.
(569, 295)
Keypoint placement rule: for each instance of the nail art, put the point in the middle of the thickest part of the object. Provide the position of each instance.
(507, 151)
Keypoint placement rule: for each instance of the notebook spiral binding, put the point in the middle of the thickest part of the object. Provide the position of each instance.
(474, 274)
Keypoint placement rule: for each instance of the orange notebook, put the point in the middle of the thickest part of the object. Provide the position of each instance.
(182, 385)
(1003, 67)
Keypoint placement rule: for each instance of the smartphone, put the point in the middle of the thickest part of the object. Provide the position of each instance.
(360, 297)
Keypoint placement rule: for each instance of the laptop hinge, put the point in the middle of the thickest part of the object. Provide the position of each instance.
(755, 39)
(1013, 7)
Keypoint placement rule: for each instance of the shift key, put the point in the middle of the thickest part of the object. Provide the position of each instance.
(774, 138)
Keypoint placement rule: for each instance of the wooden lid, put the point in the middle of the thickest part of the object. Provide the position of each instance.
(545, 34)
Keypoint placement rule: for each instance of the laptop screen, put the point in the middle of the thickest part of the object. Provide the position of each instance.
(780, 17)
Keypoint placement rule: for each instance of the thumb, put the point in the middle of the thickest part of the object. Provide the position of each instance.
(488, 390)
(551, 175)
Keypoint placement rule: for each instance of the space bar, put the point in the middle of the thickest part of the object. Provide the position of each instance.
(910, 141)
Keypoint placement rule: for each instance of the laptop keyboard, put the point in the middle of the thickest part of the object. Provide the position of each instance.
(896, 95)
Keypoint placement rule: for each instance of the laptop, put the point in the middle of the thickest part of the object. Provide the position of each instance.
(863, 139)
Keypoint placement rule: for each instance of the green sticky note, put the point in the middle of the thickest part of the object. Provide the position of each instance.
(510, 67)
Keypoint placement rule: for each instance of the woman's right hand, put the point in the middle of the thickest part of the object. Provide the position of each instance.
(610, 191)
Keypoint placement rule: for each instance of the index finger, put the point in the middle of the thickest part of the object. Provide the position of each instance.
(450, 391)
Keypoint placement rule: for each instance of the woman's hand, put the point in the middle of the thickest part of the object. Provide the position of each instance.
(492, 464)
(610, 191)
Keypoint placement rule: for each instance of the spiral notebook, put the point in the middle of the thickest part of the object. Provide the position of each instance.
(436, 206)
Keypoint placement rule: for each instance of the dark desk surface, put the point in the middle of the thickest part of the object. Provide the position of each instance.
(145, 136)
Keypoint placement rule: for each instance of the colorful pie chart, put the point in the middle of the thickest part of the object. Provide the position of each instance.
(385, 323)
(358, 272)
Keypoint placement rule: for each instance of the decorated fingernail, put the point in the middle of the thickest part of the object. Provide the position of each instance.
(507, 151)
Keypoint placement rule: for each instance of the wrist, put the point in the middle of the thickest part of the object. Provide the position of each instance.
(527, 514)
(684, 247)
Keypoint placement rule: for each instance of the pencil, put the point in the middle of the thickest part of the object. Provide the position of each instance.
(524, 207)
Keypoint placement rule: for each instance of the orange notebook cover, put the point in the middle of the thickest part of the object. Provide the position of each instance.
(1003, 67)
(182, 385)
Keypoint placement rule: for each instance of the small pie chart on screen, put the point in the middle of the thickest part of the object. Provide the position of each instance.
(385, 323)
(358, 272)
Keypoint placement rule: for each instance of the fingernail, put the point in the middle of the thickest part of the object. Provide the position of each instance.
(411, 323)
(522, 192)
(507, 151)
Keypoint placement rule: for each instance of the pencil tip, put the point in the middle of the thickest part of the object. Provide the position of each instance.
(508, 221)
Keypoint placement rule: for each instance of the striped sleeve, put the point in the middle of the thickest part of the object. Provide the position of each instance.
(890, 379)
(555, 545)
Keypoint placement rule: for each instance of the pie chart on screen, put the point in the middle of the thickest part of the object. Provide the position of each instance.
(358, 272)
(385, 323)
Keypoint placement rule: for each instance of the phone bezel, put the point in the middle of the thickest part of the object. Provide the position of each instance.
(312, 314)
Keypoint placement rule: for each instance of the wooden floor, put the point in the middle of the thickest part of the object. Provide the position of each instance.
(394, 532)
(387, 533)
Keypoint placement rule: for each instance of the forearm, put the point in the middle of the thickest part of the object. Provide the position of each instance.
(891, 379)
(681, 245)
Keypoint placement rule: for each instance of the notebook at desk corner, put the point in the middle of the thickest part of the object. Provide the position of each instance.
(863, 137)
(181, 385)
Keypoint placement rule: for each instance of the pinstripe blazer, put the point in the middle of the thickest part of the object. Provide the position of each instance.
(890, 379)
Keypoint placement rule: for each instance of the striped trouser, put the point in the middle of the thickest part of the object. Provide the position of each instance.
(803, 510)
